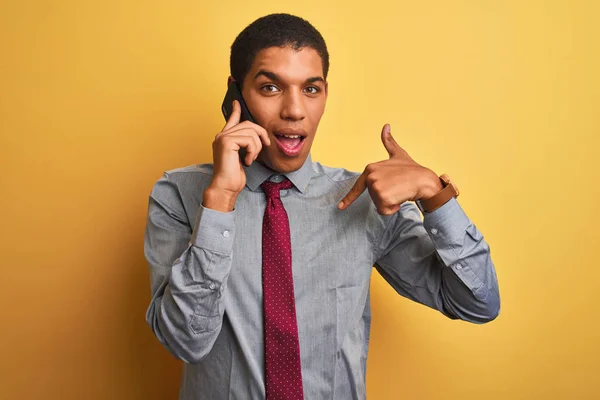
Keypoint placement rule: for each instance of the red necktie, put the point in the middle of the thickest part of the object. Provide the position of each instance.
(282, 350)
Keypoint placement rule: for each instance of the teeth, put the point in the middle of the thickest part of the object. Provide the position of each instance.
(292, 136)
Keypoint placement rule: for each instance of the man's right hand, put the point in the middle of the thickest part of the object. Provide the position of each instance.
(228, 175)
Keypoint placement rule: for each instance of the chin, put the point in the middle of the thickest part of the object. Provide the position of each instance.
(285, 164)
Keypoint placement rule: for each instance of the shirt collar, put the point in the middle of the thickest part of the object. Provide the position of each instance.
(257, 173)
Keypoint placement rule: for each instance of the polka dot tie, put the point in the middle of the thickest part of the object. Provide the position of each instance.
(282, 350)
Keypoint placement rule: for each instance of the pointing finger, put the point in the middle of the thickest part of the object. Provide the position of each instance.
(388, 141)
(359, 186)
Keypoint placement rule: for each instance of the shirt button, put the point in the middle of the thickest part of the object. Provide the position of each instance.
(225, 234)
(212, 286)
(434, 231)
(458, 266)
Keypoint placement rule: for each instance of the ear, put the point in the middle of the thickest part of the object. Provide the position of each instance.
(229, 80)
(326, 88)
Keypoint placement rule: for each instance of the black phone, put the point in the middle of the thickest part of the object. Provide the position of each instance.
(234, 93)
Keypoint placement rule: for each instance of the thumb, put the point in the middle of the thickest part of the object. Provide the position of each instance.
(359, 186)
(234, 118)
(388, 141)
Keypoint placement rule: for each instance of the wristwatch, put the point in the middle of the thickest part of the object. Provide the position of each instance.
(440, 198)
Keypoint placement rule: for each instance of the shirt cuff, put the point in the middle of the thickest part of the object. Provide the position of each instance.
(447, 226)
(214, 230)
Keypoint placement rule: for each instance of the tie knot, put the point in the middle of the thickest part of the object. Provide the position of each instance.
(272, 189)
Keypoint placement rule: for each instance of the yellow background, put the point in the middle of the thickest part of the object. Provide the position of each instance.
(98, 98)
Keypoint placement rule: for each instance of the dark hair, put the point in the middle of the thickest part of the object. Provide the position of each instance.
(274, 30)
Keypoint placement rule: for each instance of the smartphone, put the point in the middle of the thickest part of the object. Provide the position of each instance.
(234, 93)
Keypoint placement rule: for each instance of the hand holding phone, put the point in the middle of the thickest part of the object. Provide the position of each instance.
(234, 93)
(228, 175)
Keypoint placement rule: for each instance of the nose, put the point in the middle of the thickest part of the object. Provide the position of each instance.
(293, 106)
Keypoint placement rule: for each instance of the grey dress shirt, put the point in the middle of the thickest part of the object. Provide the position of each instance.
(205, 269)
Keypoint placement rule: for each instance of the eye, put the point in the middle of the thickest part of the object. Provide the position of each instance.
(312, 90)
(269, 88)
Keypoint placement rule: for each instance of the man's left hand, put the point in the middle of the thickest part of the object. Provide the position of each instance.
(396, 180)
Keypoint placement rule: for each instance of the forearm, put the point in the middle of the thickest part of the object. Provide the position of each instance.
(441, 262)
(186, 315)
(187, 308)
(469, 286)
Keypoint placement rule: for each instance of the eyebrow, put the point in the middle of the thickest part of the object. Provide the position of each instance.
(275, 78)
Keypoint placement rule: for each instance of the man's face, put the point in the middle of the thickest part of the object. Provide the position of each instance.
(285, 92)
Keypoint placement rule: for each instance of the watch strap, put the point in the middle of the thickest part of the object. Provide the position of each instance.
(440, 198)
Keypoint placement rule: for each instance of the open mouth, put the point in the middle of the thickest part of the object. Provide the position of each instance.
(290, 143)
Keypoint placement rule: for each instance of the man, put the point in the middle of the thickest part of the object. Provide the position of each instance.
(260, 274)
